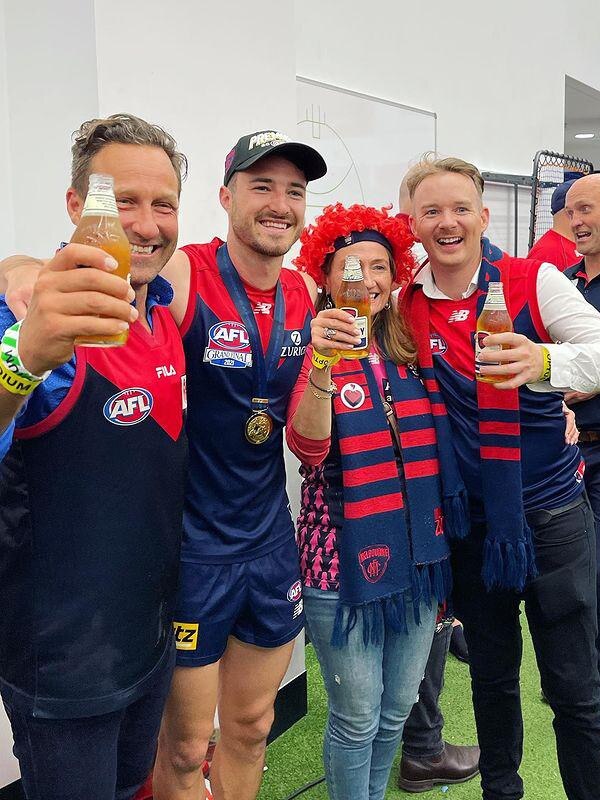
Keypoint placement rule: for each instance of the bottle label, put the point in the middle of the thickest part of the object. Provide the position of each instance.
(100, 203)
(362, 323)
(479, 337)
(352, 274)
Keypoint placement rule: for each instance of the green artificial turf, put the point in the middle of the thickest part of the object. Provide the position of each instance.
(295, 758)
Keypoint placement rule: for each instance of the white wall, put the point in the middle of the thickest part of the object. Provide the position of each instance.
(493, 72)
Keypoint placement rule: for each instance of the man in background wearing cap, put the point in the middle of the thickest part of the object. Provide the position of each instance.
(245, 324)
(557, 245)
(582, 209)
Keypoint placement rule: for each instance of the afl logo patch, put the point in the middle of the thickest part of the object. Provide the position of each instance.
(128, 407)
(438, 345)
(352, 395)
(228, 345)
(294, 593)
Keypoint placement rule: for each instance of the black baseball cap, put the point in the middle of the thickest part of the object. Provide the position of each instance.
(251, 148)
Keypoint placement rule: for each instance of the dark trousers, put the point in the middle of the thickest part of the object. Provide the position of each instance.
(591, 477)
(422, 736)
(107, 757)
(561, 610)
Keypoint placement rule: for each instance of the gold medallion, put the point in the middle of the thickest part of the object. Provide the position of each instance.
(258, 427)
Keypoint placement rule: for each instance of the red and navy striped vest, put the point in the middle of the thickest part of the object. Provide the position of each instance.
(236, 502)
(90, 525)
(550, 468)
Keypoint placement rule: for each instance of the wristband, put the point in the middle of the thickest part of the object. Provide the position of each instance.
(547, 368)
(14, 383)
(9, 355)
(321, 362)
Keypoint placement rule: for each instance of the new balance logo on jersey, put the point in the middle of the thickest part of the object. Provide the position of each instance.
(460, 315)
(165, 371)
(263, 308)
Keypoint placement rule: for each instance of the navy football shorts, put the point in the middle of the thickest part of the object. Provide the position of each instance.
(258, 601)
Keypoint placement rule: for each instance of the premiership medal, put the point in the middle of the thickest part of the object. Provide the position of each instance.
(258, 427)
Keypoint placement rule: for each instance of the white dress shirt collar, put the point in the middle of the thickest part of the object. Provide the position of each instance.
(430, 289)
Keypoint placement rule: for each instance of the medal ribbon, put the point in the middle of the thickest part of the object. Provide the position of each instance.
(266, 367)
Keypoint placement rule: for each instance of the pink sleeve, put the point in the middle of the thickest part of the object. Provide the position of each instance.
(309, 451)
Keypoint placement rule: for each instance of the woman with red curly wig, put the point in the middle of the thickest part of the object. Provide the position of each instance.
(380, 490)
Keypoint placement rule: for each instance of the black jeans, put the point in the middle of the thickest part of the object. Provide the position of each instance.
(561, 610)
(422, 735)
(591, 477)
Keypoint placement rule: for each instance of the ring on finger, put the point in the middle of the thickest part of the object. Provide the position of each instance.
(329, 333)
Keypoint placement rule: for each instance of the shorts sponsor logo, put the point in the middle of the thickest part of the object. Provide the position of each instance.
(128, 407)
(373, 561)
(298, 609)
(228, 346)
(579, 471)
(352, 395)
(186, 635)
(438, 345)
(294, 593)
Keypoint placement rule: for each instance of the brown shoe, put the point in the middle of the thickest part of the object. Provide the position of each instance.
(456, 764)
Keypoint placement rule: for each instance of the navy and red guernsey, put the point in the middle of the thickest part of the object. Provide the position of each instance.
(236, 506)
(551, 473)
(91, 503)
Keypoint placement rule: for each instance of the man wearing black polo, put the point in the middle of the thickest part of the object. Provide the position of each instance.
(583, 211)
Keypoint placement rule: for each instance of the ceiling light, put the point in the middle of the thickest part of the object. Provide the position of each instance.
(584, 135)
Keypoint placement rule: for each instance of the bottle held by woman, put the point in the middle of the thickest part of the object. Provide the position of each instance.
(353, 298)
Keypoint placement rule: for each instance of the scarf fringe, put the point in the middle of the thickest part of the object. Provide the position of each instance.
(508, 565)
(429, 582)
(456, 515)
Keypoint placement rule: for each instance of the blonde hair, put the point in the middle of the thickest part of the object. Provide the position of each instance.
(430, 165)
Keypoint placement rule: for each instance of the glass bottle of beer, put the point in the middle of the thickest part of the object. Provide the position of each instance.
(101, 227)
(494, 318)
(353, 298)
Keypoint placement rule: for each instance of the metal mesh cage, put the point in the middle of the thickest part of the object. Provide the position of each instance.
(549, 170)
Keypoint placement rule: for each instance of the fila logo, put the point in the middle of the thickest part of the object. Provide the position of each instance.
(186, 635)
(460, 315)
(165, 371)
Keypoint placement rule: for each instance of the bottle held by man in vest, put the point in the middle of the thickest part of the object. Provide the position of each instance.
(494, 318)
(353, 298)
(101, 227)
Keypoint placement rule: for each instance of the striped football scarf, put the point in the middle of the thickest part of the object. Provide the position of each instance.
(508, 554)
(393, 546)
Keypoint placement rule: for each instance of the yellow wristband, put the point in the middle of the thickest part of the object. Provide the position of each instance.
(15, 384)
(321, 362)
(547, 368)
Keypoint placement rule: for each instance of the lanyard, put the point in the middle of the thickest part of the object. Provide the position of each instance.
(266, 365)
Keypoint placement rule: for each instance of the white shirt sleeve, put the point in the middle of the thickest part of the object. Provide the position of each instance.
(574, 324)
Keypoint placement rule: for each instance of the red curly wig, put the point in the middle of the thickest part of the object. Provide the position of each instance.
(317, 239)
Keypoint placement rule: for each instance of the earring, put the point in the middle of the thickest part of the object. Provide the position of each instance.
(329, 302)
(387, 305)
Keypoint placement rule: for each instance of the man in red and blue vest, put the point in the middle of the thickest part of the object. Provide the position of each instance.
(91, 487)
(583, 210)
(532, 531)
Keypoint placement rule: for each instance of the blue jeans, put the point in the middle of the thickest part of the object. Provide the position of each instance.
(370, 692)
